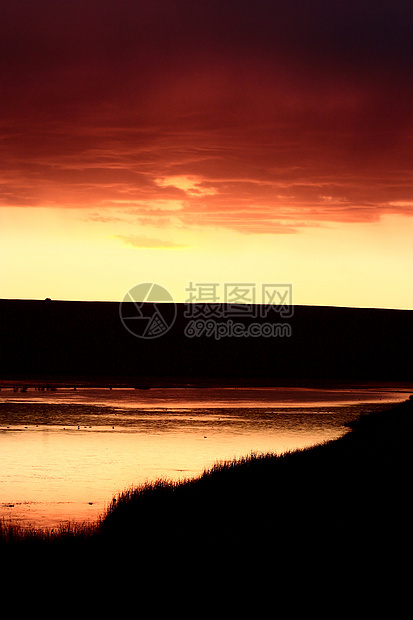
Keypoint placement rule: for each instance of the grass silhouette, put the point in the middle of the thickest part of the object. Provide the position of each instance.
(344, 503)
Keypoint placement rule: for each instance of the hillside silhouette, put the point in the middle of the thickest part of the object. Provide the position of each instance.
(87, 341)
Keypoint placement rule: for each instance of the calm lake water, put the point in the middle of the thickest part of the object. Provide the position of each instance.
(65, 454)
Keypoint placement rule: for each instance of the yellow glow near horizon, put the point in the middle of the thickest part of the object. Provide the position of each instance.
(254, 147)
(65, 254)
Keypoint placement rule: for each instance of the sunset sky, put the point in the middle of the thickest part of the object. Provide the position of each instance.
(178, 141)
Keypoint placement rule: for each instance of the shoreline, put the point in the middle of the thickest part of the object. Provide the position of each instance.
(144, 384)
(335, 491)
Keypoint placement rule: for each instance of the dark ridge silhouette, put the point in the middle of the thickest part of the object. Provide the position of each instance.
(86, 341)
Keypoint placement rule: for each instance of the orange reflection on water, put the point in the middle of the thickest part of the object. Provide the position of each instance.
(63, 461)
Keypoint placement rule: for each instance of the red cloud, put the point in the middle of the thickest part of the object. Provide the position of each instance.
(286, 114)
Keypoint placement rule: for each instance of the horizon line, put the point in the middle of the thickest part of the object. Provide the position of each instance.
(183, 303)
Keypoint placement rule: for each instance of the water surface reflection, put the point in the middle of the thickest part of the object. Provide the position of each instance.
(65, 454)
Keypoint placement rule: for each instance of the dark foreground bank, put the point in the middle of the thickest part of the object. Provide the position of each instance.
(319, 531)
(325, 501)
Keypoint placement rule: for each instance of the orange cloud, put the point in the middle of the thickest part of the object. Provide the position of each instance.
(138, 241)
